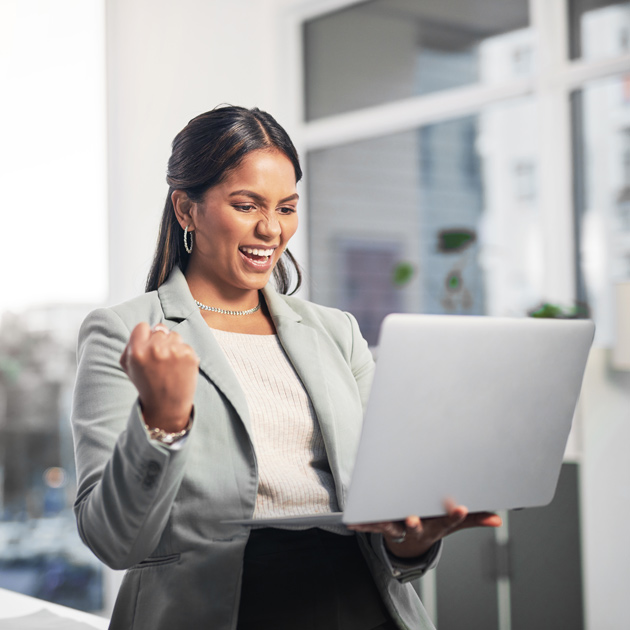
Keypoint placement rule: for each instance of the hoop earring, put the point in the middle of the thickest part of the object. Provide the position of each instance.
(188, 247)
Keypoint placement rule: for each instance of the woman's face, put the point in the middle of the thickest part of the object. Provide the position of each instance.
(243, 224)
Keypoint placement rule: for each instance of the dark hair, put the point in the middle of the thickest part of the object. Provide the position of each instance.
(204, 152)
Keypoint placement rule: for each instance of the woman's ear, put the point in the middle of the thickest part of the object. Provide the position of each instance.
(183, 205)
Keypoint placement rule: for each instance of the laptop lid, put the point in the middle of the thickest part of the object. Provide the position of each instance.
(472, 409)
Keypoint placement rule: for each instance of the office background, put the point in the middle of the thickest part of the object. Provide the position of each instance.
(461, 156)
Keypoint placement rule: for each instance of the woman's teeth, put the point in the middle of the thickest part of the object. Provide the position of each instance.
(257, 252)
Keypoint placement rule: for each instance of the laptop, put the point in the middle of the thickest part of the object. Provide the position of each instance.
(475, 410)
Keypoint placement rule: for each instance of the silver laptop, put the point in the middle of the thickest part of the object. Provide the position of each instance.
(476, 410)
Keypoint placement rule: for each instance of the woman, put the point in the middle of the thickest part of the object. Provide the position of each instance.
(214, 397)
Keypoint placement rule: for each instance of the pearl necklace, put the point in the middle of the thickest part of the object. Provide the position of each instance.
(214, 309)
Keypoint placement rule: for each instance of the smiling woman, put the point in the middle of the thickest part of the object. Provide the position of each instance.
(215, 397)
(241, 229)
(197, 165)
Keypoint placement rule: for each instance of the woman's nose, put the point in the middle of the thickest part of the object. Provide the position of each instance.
(269, 227)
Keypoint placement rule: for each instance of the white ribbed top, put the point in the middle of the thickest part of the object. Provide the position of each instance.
(294, 475)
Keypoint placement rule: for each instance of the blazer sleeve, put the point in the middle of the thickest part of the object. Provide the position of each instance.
(126, 483)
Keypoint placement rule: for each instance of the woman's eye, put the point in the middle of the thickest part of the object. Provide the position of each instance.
(244, 207)
(287, 210)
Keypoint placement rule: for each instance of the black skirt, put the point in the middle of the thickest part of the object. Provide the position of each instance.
(308, 580)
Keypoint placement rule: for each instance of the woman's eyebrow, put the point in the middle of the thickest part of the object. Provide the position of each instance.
(259, 198)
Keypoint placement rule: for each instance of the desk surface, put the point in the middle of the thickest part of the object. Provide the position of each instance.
(17, 605)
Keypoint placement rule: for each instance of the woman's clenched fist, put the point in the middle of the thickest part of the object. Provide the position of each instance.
(164, 370)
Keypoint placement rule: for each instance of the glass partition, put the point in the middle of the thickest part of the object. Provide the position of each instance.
(40, 551)
(383, 50)
(599, 29)
(440, 219)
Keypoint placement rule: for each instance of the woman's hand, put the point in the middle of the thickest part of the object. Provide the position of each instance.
(413, 537)
(164, 370)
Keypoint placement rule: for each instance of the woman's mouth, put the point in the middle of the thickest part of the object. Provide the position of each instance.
(257, 256)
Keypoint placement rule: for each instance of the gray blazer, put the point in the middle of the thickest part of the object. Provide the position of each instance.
(157, 511)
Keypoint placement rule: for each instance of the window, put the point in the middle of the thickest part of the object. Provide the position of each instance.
(383, 50)
(524, 180)
(52, 124)
(420, 123)
(429, 142)
(599, 28)
(439, 196)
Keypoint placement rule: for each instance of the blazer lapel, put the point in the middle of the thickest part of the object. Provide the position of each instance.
(179, 306)
(299, 341)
